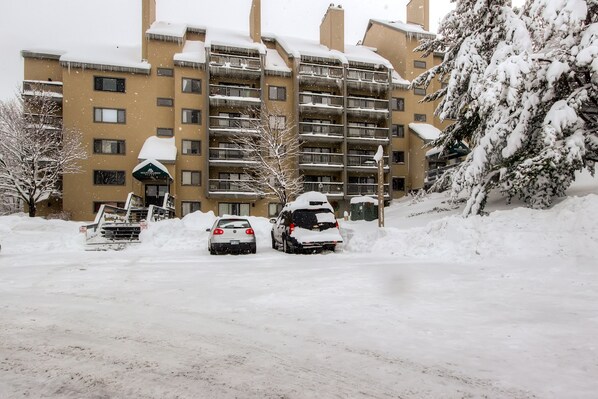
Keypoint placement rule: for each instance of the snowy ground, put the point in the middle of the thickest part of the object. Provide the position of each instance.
(433, 306)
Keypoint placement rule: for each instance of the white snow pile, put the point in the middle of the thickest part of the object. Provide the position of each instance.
(161, 149)
(309, 200)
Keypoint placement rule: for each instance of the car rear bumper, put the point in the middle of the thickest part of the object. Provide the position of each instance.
(234, 248)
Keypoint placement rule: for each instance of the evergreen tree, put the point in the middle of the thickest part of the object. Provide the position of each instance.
(521, 86)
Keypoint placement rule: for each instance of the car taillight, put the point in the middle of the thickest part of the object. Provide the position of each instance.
(218, 232)
(249, 232)
(337, 224)
(291, 228)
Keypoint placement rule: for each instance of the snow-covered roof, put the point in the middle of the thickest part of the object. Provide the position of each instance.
(274, 62)
(426, 131)
(366, 55)
(162, 149)
(298, 47)
(43, 53)
(309, 200)
(167, 29)
(231, 38)
(411, 29)
(398, 80)
(193, 52)
(107, 57)
(360, 200)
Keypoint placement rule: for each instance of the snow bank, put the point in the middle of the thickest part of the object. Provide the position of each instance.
(160, 149)
(567, 230)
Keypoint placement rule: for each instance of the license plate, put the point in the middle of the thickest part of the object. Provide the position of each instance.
(234, 242)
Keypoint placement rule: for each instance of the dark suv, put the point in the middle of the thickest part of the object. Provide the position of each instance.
(306, 224)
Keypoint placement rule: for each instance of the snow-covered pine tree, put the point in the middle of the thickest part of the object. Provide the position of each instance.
(519, 97)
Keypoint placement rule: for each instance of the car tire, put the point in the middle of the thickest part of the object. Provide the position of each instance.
(212, 251)
(274, 246)
(253, 250)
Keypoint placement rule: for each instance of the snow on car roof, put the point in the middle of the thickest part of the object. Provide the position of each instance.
(309, 200)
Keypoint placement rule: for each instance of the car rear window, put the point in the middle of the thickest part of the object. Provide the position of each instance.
(307, 219)
(234, 224)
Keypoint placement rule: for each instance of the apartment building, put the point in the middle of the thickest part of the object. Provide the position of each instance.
(164, 117)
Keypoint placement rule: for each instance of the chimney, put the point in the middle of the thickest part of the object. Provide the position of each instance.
(255, 21)
(332, 28)
(418, 12)
(148, 17)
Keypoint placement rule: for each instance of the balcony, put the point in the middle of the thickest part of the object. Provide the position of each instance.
(361, 133)
(41, 87)
(232, 188)
(310, 131)
(434, 174)
(320, 75)
(230, 157)
(362, 79)
(367, 107)
(366, 189)
(364, 162)
(226, 126)
(330, 189)
(315, 103)
(235, 96)
(235, 65)
(320, 161)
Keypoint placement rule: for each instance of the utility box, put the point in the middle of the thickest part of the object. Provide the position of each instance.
(364, 208)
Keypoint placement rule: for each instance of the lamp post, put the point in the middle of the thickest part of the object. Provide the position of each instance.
(379, 158)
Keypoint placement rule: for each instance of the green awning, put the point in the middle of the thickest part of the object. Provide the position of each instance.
(151, 170)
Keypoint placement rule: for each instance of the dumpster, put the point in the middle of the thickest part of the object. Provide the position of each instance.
(364, 208)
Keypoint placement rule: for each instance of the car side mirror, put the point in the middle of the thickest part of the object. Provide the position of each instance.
(272, 220)
(208, 230)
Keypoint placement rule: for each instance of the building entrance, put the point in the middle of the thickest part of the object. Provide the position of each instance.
(154, 194)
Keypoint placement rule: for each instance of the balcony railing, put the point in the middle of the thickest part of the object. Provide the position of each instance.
(319, 158)
(230, 154)
(371, 133)
(364, 160)
(50, 89)
(361, 75)
(321, 129)
(324, 188)
(235, 61)
(236, 92)
(233, 124)
(434, 174)
(320, 100)
(320, 71)
(365, 189)
(232, 186)
(367, 104)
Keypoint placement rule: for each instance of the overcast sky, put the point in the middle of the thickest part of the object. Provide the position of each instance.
(61, 24)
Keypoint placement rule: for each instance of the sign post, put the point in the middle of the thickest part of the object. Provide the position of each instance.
(379, 158)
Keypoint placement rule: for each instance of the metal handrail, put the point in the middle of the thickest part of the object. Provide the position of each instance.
(320, 158)
(235, 154)
(235, 61)
(321, 128)
(365, 188)
(320, 99)
(244, 186)
(225, 122)
(324, 187)
(364, 75)
(235, 91)
(322, 71)
(363, 160)
(364, 132)
(367, 103)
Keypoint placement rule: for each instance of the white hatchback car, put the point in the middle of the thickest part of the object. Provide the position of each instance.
(231, 235)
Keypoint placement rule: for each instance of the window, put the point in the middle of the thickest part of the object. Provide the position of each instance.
(188, 207)
(274, 209)
(164, 132)
(114, 85)
(98, 204)
(101, 146)
(109, 115)
(277, 93)
(191, 147)
(191, 178)
(419, 64)
(278, 121)
(398, 184)
(165, 102)
(165, 72)
(398, 157)
(191, 86)
(397, 104)
(233, 208)
(192, 116)
(419, 117)
(398, 131)
(419, 91)
(109, 177)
